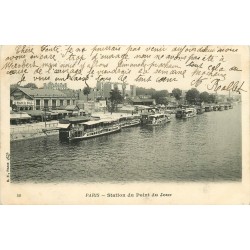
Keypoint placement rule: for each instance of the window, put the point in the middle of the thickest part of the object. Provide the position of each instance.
(38, 103)
(53, 104)
(68, 102)
(73, 102)
(61, 102)
(46, 103)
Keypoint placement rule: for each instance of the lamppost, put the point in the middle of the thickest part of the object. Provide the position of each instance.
(45, 109)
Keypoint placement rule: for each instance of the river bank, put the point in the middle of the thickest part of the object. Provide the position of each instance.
(30, 131)
(35, 130)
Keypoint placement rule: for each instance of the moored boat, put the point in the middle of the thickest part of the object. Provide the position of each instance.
(129, 121)
(170, 109)
(221, 107)
(186, 113)
(189, 112)
(216, 107)
(200, 110)
(179, 113)
(155, 119)
(208, 108)
(88, 129)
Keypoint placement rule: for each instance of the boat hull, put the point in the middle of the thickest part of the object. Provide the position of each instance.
(157, 124)
(188, 116)
(131, 124)
(90, 135)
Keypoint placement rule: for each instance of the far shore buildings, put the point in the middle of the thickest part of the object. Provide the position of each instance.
(58, 95)
(58, 86)
(103, 89)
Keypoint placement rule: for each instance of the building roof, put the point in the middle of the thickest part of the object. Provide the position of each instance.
(63, 125)
(42, 92)
(143, 100)
(72, 107)
(69, 93)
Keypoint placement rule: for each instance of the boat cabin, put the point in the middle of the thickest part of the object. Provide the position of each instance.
(155, 119)
(87, 129)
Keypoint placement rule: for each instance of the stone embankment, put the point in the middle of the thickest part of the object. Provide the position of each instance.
(29, 131)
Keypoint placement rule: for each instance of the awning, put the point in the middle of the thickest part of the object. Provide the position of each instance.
(36, 113)
(19, 116)
(142, 107)
(71, 107)
(61, 111)
(127, 108)
(63, 125)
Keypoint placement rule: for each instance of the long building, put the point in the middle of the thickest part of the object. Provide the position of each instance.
(103, 89)
(38, 99)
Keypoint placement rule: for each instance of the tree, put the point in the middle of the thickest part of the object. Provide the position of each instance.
(143, 91)
(115, 98)
(13, 87)
(86, 91)
(212, 98)
(204, 97)
(177, 93)
(193, 96)
(163, 100)
(30, 85)
(160, 96)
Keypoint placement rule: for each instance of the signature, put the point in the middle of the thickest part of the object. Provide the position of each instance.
(234, 86)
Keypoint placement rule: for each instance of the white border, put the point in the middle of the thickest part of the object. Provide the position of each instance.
(140, 22)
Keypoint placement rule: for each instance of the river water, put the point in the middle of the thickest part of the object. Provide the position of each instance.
(206, 148)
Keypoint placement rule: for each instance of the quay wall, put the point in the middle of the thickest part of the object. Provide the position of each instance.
(29, 131)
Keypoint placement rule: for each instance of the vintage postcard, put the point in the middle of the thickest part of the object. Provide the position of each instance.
(124, 124)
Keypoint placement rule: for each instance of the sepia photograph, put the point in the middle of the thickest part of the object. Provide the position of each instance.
(125, 115)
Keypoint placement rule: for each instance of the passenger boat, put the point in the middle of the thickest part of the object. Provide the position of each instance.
(155, 119)
(200, 110)
(216, 107)
(88, 129)
(129, 121)
(179, 113)
(208, 108)
(221, 107)
(186, 113)
(170, 109)
(189, 112)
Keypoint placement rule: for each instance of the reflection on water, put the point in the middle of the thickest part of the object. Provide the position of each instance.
(203, 148)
